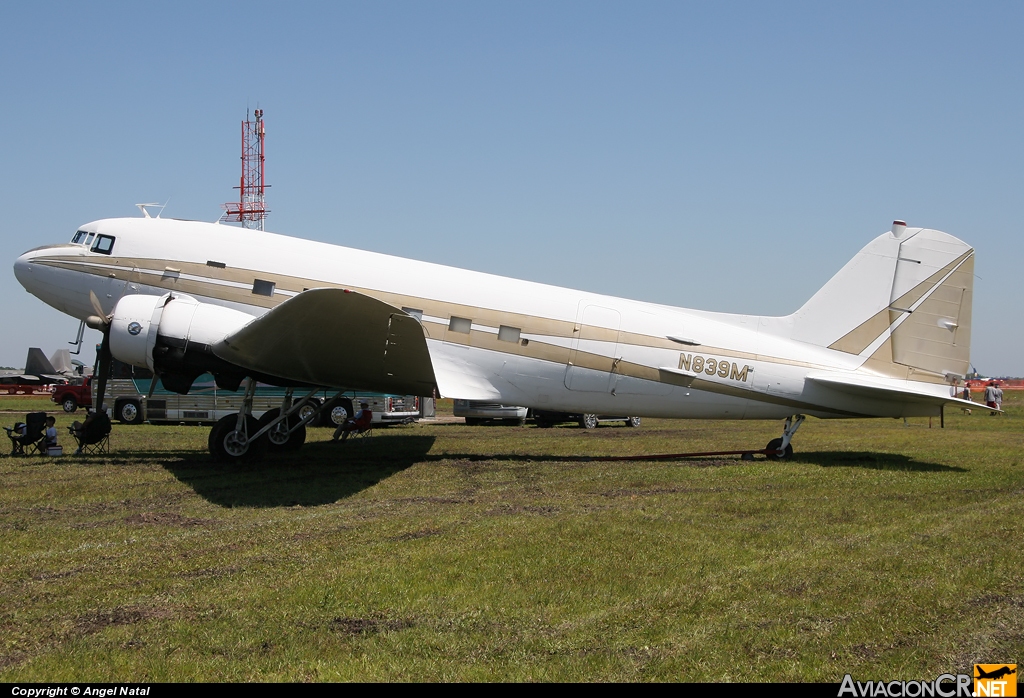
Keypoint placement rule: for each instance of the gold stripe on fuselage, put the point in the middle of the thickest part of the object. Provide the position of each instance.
(234, 285)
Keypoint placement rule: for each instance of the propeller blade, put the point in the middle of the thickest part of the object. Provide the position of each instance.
(100, 312)
(103, 368)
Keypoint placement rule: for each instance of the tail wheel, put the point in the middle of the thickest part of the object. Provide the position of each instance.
(588, 421)
(228, 446)
(633, 422)
(774, 450)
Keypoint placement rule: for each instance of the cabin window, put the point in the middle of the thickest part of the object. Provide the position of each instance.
(215, 265)
(263, 288)
(460, 324)
(418, 314)
(509, 334)
(79, 237)
(104, 244)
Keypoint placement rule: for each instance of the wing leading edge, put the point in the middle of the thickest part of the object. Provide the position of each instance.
(335, 337)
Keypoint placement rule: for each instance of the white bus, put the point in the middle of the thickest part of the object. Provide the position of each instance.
(128, 394)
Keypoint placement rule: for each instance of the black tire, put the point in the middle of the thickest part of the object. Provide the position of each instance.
(129, 412)
(632, 422)
(290, 442)
(224, 447)
(773, 450)
(69, 404)
(544, 423)
(588, 421)
(473, 421)
(337, 411)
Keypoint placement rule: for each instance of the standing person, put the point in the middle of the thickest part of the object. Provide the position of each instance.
(999, 396)
(990, 396)
(360, 423)
(966, 395)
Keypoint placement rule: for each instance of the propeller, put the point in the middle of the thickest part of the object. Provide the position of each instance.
(101, 321)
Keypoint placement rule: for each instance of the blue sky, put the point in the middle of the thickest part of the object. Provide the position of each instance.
(721, 156)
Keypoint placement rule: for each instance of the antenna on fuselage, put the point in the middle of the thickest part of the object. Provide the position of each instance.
(145, 212)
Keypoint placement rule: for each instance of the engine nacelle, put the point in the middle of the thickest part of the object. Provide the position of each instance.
(142, 323)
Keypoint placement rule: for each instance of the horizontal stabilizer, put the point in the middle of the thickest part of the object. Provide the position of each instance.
(891, 390)
(336, 338)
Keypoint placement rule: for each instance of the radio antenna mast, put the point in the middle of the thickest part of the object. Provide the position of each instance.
(250, 209)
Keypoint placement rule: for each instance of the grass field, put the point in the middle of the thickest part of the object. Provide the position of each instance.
(446, 552)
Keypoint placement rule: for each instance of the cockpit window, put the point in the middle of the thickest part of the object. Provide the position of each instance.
(88, 239)
(79, 237)
(104, 244)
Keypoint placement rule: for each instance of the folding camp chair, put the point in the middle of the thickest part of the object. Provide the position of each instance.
(28, 434)
(95, 434)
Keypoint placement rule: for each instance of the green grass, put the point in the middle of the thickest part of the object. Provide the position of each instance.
(446, 552)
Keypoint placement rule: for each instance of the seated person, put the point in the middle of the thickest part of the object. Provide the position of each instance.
(92, 430)
(361, 422)
(80, 428)
(50, 434)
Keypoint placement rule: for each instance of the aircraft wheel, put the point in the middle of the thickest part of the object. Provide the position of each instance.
(588, 421)
(633, 422)
(298, 437)
(278, 438)
(773, 450)
(228, 446)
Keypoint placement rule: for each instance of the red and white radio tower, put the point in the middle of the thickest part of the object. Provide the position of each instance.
(250, 209)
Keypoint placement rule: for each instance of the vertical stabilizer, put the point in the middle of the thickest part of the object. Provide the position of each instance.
(36, 363)
(903, 303)
(61, 361)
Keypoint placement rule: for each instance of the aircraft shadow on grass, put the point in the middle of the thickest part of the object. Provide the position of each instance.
(827, 459)
(321, 473)
(872, 460)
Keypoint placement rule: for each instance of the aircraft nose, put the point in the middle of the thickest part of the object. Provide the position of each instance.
(23, 268)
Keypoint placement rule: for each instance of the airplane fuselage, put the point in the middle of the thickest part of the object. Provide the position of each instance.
(491, 337)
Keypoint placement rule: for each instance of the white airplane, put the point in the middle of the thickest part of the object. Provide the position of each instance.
(887, 336)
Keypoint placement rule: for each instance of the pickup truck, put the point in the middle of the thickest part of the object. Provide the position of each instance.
(74, 395)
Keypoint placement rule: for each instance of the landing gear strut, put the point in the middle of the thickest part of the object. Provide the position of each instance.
(240, 436)
(781, 449)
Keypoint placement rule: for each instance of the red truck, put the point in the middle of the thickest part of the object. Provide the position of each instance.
(74, 395)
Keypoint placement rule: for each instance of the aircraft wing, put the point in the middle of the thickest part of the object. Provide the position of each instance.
(335, 337)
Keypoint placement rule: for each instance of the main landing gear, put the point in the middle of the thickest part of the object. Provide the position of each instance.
(241, 437)
(781, 449)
